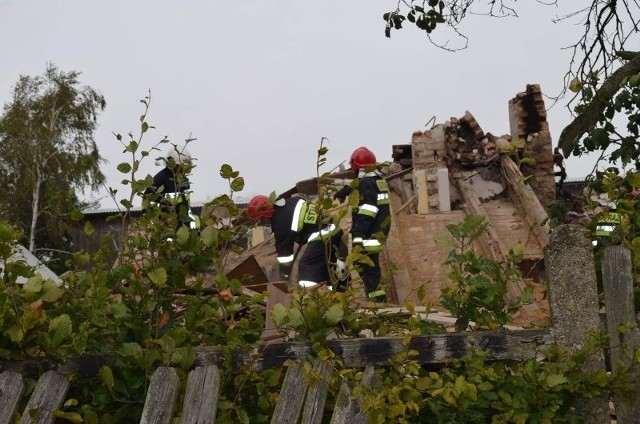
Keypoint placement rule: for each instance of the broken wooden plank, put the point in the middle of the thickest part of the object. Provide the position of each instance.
(534, 213)
(161, 397)
(249, 272)
(420, 184)
(490, 241)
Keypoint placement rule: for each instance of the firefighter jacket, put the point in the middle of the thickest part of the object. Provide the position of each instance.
(174, 195)
(167, 181)
(296, 221)
(371, 218)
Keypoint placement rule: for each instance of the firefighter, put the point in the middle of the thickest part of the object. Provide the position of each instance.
(370, 219)
(295, 221)
(171, 187)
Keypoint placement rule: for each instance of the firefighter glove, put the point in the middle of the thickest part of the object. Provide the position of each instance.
(342, 194)
(285, 270)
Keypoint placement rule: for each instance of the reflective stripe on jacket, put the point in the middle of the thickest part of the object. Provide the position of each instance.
(370, 220)
(296, 222)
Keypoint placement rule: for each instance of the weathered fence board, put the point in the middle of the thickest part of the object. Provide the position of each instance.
(161, 397)
(48, 395)
(11, 390)
(202, 395)
(617, 281)
(436, 349)
(292, 394)
(349, 410)
(317, 392)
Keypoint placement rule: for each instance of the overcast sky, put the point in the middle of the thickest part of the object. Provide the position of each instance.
(258, 83)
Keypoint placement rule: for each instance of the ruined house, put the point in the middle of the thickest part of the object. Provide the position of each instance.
(451, 170)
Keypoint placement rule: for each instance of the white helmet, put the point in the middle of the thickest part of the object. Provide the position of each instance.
(179, 155)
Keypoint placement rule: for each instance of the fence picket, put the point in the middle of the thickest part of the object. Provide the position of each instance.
(292, 394)
(11, 390)
(161, 397)
(47, 397)
(617, 278)
(317, 393)
(348, 410)
(202, 395)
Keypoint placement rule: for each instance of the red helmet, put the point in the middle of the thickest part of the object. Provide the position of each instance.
(361, 158)
(259, 207)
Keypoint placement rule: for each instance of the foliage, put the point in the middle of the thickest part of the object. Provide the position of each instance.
(480, 284)
(163, 292)
(533, 391)
(623, 191)
(48, 153)
(148, 302)
(607, 26)
(602, 106)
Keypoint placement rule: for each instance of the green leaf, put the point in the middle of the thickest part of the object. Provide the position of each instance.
(208, 235)
(528, 160)
(145, 127)
(575, 85)
(421, 293)
(295, 318)
(124, 167)
(555, 380)
(76, 215)
(182, 234)
(50, 291)
(106, 375)
(33, 285)
(120, 311)
(158, 276)
(237, 184)
(132, 146)
(81, 258)
(334, 314)
(88, 228)
(278, 314)
(74, 417)
(132, 349)
(226, 171)
(70, 402)
(16, 334)
(60, 327)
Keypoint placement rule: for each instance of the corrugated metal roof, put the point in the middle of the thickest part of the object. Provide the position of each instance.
(21, 253)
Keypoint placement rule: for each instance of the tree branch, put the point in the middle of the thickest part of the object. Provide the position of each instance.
(587, 120)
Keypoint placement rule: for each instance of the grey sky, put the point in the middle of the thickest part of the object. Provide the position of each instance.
(258, 83)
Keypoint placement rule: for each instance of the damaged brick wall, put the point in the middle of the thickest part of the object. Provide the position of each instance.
(528, 122)
(429, 156)
(460, 143)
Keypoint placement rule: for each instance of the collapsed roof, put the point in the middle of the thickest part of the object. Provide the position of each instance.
(447, 172)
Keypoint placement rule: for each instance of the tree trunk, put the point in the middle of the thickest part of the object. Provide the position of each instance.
(35, 211)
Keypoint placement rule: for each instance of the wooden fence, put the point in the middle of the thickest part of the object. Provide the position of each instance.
(575, 313)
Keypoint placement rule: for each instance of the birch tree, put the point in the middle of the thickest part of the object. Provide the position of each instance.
(48, 155)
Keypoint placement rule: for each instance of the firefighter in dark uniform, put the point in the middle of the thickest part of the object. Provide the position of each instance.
(171, 187)
(370, 219)
(295, 221)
